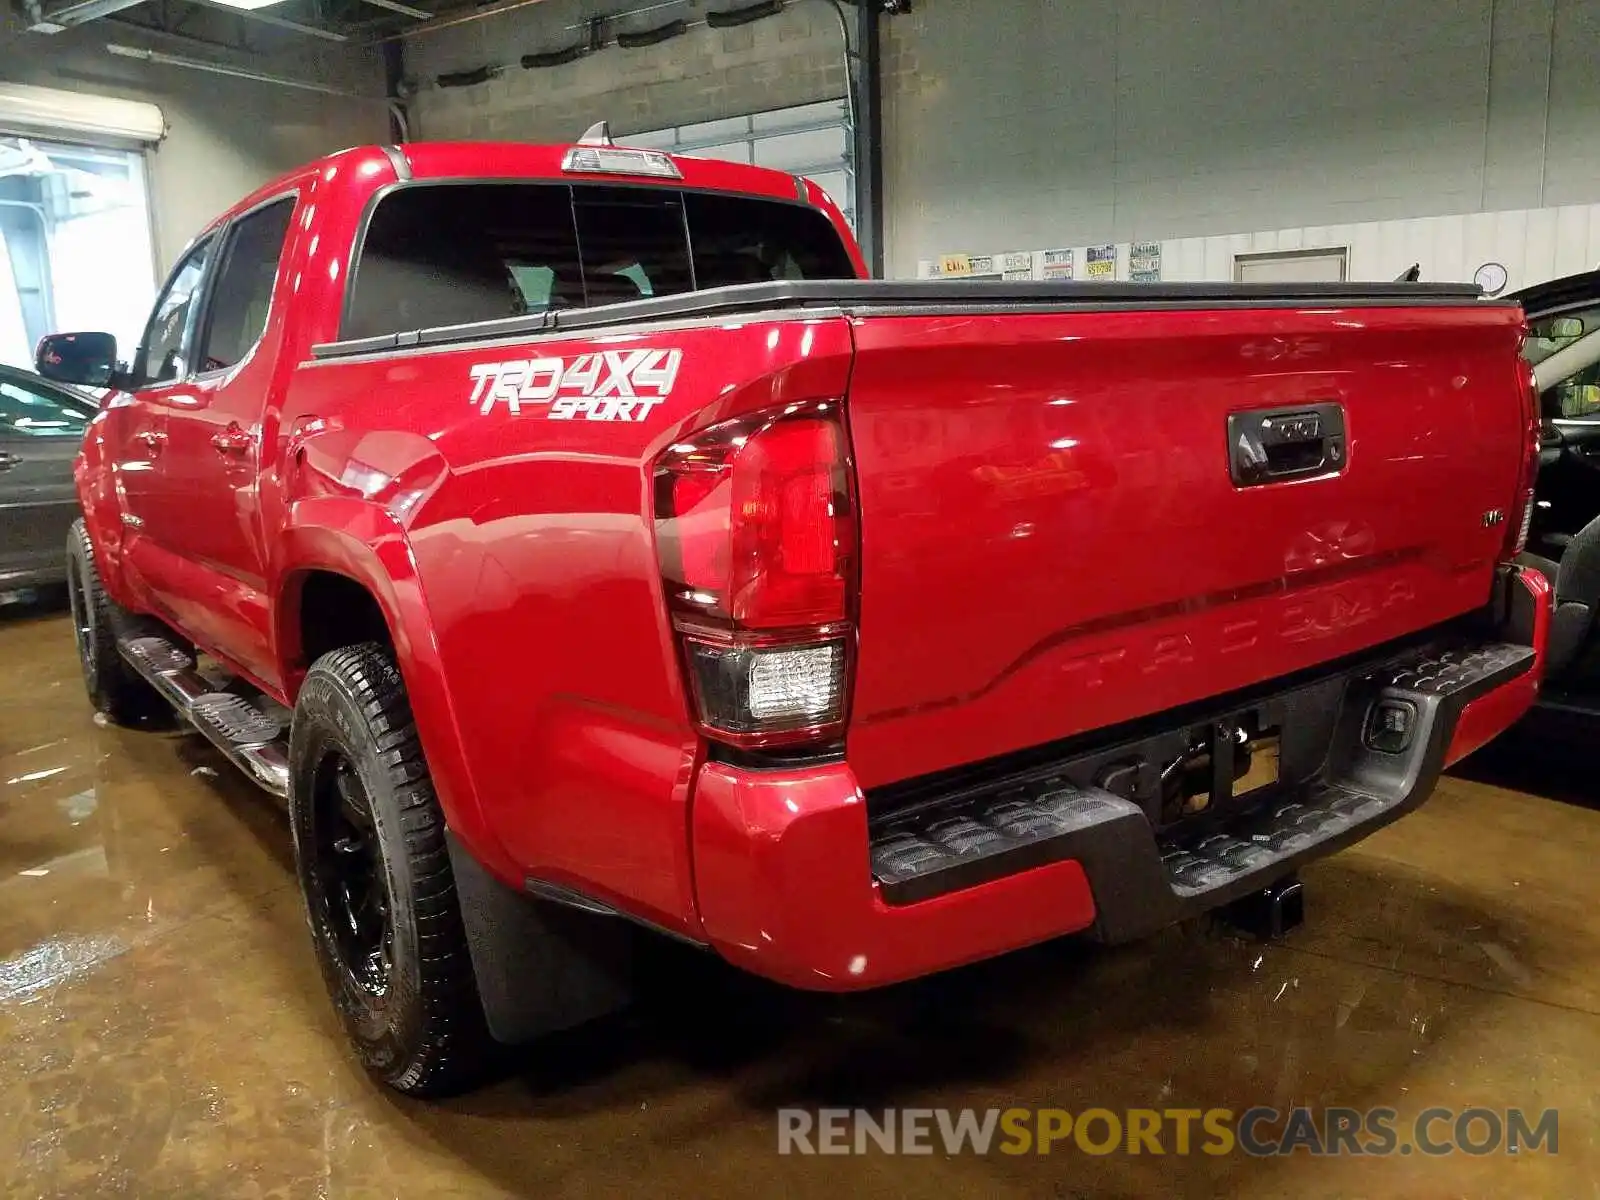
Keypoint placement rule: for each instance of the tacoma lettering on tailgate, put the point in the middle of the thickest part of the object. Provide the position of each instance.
(609, 385)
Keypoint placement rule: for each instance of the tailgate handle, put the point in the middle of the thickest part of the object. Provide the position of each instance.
(1268, 445)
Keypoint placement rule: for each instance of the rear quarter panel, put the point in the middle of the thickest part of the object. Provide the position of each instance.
(534, 555)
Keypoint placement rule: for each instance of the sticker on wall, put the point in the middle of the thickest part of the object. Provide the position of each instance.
(984, 267)
(1102, 262)
(1144, 263)
(1058, 264)
(966, 266)
(1017, 265)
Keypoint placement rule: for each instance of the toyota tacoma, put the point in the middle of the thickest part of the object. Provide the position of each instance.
(578, 541)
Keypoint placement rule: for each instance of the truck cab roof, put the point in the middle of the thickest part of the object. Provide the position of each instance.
(377, 166)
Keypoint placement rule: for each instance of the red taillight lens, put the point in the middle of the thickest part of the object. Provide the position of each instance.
(792, 533)
(756, 533)
(754, 522)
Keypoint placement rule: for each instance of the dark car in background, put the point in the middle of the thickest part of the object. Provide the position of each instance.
(41, 427)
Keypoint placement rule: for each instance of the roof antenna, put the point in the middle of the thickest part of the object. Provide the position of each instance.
(598, 134)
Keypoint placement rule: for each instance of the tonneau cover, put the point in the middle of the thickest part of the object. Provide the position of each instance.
(925, 297)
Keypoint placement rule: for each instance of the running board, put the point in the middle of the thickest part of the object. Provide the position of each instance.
(253, 737)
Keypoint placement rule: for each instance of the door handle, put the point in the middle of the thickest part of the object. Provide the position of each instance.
(151, 441)
(232, 440)
(1271, 444)
(7, 461)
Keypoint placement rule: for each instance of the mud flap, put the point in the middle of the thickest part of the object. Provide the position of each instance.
(541, 967)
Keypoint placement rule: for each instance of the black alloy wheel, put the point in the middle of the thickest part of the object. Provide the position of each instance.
(351, 886)
(374, 869)
(114, 687)
(83, 631)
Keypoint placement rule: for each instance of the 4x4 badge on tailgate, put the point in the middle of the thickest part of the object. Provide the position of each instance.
(609, 385)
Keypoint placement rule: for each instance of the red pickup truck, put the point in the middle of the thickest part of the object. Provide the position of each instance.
(573, 534)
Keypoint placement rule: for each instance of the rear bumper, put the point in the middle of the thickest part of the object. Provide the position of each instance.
(799, 878)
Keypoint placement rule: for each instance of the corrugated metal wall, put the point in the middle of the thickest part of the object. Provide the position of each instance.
(1532, 244)
(1123, 120)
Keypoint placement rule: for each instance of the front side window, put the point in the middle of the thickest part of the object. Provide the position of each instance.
(170, 334)
(243, 294)
(453, 254)
(27, 412)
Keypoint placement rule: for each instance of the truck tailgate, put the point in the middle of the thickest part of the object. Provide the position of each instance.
(1054, 541)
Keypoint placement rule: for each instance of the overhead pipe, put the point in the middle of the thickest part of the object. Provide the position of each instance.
(195, 64)
(481, 14)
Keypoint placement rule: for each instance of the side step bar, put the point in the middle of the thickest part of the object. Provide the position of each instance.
(254, 738)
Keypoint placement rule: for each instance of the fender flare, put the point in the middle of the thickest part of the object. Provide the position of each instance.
(95, 486)
(364, 543)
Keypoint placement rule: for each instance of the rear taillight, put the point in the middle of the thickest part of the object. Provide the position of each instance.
(1522, 515)
(756, 534)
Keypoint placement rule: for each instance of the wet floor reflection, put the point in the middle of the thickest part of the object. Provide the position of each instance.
(163, 1030)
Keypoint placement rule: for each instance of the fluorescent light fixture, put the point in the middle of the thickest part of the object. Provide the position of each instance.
(247, 5)
(50, 110)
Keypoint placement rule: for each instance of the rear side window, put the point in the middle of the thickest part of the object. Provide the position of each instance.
(453, 254)
(243, 292)
(738, 240)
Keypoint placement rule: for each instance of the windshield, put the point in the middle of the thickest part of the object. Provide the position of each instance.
(1577, 396)
(454, 254)
(1546, 335)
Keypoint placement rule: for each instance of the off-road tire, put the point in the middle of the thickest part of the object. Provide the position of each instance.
(424, 1033)
(114, 687)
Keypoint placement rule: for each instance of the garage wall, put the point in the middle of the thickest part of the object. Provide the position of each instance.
(1534, 246)
(226, 136)
(703, 75)
(1121, 120)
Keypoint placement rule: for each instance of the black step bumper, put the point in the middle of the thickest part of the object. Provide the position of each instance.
(1143, 875)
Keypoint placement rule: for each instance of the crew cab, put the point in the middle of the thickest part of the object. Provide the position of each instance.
(579, 541)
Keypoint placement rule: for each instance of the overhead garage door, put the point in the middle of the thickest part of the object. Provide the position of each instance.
(810, 139)
(75, 236)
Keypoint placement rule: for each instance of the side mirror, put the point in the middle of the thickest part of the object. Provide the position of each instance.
(89, 359)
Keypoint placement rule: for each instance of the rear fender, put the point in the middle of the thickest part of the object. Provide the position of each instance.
(362, 541)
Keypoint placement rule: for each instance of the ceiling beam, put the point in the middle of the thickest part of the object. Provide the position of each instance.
(252, 14)
(76, 12)
(406, 9)
(172, 36)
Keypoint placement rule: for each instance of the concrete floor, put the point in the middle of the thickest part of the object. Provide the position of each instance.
(163, 1031)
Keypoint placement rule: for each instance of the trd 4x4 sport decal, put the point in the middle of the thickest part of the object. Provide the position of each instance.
(610, 385)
